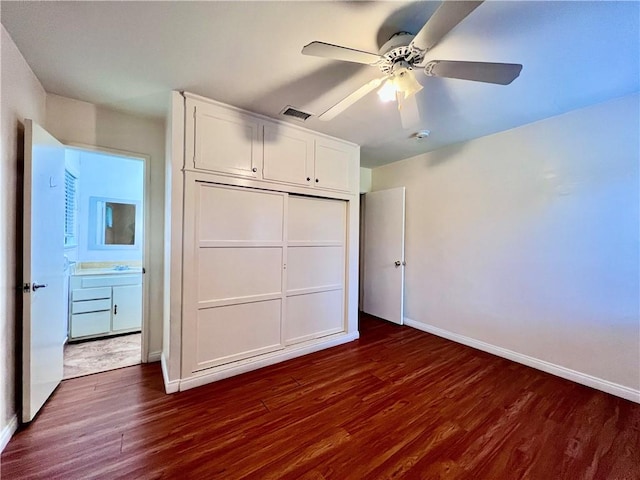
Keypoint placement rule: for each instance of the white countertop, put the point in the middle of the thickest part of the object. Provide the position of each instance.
(107, 271)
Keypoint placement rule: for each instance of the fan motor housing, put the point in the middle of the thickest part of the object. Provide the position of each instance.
(397, 49)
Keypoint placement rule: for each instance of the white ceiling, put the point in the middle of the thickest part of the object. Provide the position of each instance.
(129, 55)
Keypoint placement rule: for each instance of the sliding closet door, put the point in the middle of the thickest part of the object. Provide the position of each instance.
(234, 292)
(315, 268)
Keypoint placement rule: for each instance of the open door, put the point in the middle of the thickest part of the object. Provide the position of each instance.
(43, 268)
(384, 262)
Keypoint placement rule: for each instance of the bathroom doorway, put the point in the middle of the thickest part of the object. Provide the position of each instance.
(105, 246)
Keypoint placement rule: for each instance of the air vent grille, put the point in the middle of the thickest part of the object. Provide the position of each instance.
(290, 111)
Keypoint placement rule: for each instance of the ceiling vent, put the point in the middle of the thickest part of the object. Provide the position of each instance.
(290, 111)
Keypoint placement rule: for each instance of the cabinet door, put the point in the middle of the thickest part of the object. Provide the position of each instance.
(334, 165)
(288, 155)
(127, 307)
(90, 324)
(222, 140)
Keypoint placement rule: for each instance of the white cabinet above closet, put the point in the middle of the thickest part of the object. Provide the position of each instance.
(225, 140)
(334, 166)
(288, 155)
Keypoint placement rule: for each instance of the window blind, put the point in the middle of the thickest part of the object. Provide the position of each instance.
(70, 183)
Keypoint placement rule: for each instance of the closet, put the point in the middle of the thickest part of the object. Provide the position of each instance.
(268, 244)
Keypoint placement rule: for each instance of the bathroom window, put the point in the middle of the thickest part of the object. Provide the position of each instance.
(70, 204)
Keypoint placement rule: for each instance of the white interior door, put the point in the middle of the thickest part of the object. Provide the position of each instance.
(384, 254)
(43, 268)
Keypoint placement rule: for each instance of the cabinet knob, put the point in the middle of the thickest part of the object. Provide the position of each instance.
(308, 179)
(254, 169)
(317, 180)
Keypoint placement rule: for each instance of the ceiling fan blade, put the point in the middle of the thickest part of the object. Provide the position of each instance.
(336, 52)
(346, 102)
(500, 73)
(447, 16)
(409, 112)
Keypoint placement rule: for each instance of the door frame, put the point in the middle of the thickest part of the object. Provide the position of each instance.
(146, 212)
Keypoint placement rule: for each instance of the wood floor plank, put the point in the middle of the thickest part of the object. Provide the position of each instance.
(397, 403)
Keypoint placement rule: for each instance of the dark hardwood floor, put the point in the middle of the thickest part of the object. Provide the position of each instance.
(398, 403)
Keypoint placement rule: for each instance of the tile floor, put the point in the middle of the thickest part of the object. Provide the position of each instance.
(101, 355)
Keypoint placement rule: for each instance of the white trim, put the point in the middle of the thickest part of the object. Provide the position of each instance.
(236, 368)
(558, 370)
(8, 431)
(169, 387)
(154, 356)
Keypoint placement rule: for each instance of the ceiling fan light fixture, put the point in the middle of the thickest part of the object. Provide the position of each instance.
(405, 82)
(387, 92)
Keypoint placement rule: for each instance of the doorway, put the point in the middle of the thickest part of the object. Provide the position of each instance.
(105, 216)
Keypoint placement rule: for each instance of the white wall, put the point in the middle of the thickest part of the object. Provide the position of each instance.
(528, 240)
(22, 97)
(76, 122)
(365, 180)
(113, 177)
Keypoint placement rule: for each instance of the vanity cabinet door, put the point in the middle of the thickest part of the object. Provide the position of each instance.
(126, 313)
(90, 324)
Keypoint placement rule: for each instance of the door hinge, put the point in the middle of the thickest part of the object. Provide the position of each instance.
(26, 288)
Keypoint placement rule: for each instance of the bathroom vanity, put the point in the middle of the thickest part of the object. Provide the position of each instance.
(105, 301)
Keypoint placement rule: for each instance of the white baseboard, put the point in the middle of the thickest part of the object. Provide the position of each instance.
(154, 356)
(573, 375)
(8, 431)
(169, 387)
(254, 363)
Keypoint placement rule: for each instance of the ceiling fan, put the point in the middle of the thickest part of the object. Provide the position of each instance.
(404, 53)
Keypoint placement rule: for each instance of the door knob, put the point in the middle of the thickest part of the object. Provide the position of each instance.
(36, 286)
(397, 263)
(254, 169)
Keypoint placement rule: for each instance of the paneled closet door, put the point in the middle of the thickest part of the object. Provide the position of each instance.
(238, 275)
(316, 231)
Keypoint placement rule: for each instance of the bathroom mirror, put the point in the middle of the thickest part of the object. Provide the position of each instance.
(114, 223)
